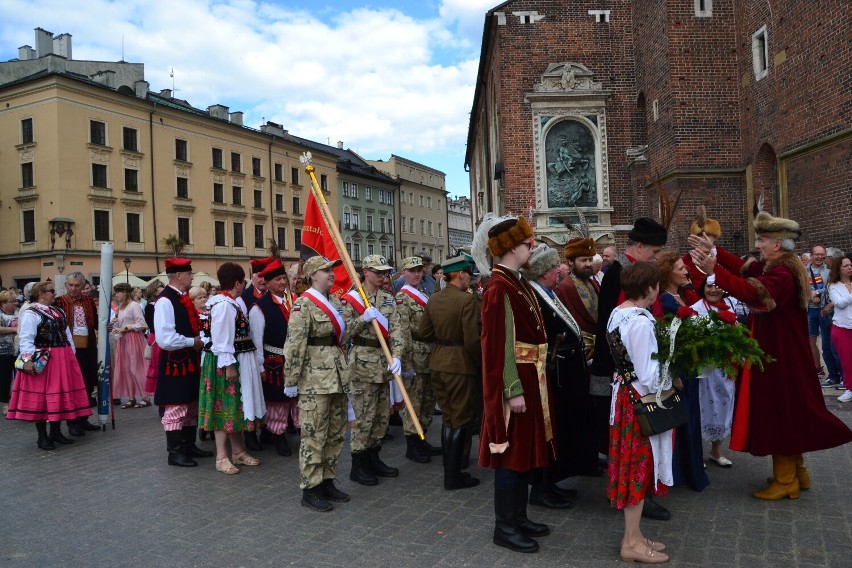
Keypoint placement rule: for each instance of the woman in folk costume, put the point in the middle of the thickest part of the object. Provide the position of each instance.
(517, 431)
(228, 401)
(639, 465)
(780, 410)
(130, 365)
(58, 392)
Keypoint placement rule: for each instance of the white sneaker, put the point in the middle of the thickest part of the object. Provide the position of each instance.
(845, 397)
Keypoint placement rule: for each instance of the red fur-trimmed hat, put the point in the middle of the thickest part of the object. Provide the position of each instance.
(272, 270)
(178, 265)
(258, 264)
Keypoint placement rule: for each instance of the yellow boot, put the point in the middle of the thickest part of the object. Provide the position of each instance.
(786, 484)
(801, 474)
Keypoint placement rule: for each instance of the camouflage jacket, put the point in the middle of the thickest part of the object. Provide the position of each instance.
(366, 363)
(415, 351)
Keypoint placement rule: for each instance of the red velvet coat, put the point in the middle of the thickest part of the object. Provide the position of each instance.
(786, 413)
(567, 293)
(525, 434)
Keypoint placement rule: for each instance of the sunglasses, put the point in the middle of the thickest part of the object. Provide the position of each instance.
(51, 291)
(380, 274)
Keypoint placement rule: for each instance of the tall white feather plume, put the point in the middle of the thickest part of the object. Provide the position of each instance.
(479, 248)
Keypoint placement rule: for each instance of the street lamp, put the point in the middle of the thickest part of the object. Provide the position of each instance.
(127, 262)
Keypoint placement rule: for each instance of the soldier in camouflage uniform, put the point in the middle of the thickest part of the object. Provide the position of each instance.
(314, 367)
(367, 375)
(411, 303)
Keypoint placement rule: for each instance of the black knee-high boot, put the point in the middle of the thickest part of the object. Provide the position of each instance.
(174, 444)
(506, 531)
(44, 441)
(56, 434)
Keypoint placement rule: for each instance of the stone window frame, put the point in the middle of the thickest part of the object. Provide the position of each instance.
(760, 52)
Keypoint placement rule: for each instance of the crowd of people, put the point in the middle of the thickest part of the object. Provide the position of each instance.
(545, 354)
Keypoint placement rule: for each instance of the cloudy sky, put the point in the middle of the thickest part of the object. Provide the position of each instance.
(382, 76)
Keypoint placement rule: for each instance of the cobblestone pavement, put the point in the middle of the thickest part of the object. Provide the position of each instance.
(110, 500)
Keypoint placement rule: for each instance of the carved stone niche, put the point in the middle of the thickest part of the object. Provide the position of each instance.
(570, 150)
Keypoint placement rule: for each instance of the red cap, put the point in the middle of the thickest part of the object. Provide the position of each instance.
(272, 270)
(178, 265)
(258, 264)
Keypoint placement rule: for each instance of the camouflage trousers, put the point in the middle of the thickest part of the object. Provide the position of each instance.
(422, 401)
(323, 419)
(371, 403)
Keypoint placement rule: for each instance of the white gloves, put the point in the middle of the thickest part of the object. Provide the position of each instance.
(396, 365)
(292, 392)
(409, 374)
(370, 314)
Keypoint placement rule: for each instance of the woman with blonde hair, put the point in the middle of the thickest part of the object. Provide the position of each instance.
(130, 368)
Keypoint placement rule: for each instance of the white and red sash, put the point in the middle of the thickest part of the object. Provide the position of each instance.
(322, 303)
(415, 295)
(354, 298)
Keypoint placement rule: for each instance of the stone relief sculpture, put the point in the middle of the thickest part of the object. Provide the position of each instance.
(570, 158)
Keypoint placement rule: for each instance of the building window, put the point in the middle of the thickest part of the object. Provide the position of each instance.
(422, 227)
(131, 180)
(356, 221)
(26, 131)
(219, 233)
(760, 53)
(297, 238)
(97, 132)
(382, 224)
(27, 175)
(345, 189)
(134, 227)
(255, 167)
(28, 225)
(703, 8)
(181, 153)
(370, 223)
(294, 176)
(279, 172)
(183, 231)
(440, 229)
(430, 228)
(101, 226)
(439, 205)
(217, 158)
(218, 193)
(356, 251)
(368, 193)
(402, 224)
(355, 190)
(390, 225)
(282, 238)
(258, 199)
(389, 198)
(279, 202)
(371, 248)
(183, 188)
(296, 206)
(421, 200)
(236, 162)
(236, 195)
(382, 196)
(390, 252)
(429, 202)
(384, 250)
(99, 175)
(411, 198)
(324, 182)
(347, 220)
(411, 224)
(258, 236)
(238, 235)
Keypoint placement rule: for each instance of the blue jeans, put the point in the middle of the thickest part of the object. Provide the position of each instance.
(832, 363)
(813, 321)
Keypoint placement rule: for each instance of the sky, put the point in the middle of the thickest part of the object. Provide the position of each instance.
(384, 77)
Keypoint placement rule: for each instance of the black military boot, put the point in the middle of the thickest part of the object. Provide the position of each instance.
(266, 437)
(190, 450)
(313, 498)
(174, 444)
(282, 448)
(44, 441)
(428, 448)
(452, 441)
(74, 428)
(526, 526)
(541, 495)
(86, 425)
(332, 493)
(56, 434)
(252, 442)
(414, 451)
(506, 531)
(361, 471)
(378, 467)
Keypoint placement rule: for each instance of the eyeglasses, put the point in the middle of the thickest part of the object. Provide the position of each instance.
(380, 274)
(51, 291)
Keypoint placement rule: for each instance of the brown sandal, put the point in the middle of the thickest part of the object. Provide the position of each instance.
(225, 466)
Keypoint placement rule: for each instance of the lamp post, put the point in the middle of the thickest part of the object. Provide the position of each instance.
(127, 262)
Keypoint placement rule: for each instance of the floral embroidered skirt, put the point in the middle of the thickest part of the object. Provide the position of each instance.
(631, 463)
(220, 404)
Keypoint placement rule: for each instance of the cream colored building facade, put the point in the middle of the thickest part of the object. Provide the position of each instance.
(422, 207)
(84, 160)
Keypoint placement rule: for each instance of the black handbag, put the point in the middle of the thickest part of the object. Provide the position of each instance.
(654, 419)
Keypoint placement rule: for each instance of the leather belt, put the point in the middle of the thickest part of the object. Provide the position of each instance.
(416, 337)
(366, 342)
(327, 341)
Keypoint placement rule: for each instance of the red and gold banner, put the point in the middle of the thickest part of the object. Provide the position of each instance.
(316, 240)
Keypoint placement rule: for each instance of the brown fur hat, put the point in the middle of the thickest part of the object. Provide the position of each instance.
(508, 234)
(579, 247)
(711, 227)
(766, 225)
